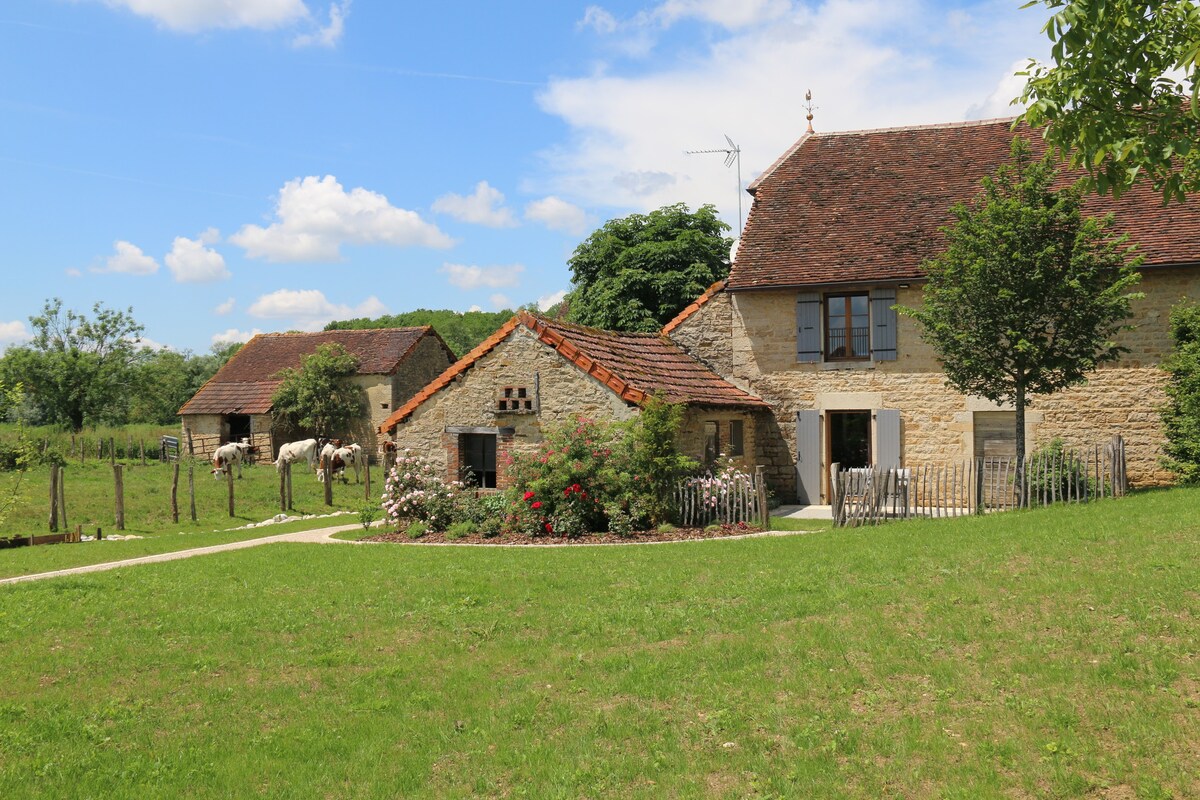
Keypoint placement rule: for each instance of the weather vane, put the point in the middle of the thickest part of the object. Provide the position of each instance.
(808, 106)
(733, 155)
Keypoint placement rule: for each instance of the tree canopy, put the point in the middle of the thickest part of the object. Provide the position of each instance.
(1029, 293)
(460, 330)
(321, 397)
(637, 272)
(77, 368)
(1120, 98)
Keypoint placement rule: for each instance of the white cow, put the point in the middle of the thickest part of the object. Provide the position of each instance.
(303, 450)
(227, 455)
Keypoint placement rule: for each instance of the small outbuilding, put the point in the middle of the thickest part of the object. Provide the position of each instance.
(535, 371)
(236, 402)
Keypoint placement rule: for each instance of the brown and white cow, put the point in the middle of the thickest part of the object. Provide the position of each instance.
(350, 456)
(227, 455)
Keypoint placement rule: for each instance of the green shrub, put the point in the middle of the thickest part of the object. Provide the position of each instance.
(1056, 471)
(416, 529)
(459, 530)
(592, 476)
(1181, 414)
(666, 527)
(368, 514)
(414, 490)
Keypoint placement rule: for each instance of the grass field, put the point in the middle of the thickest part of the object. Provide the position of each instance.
(1049, 653)
(90, 500)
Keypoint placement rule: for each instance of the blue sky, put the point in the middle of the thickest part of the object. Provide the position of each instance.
(262, 165)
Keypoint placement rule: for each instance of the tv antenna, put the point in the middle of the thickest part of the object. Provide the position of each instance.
(733, 155)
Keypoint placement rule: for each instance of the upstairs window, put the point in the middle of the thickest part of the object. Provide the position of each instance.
(847, 327)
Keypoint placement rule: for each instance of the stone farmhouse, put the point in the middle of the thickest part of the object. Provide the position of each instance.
(394, 363)
(534, 371)
(839, 228)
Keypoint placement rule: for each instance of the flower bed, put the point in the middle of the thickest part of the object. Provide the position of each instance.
(510, 538)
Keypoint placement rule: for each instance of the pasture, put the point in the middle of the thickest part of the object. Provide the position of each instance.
(1043, 653)
(90, 502)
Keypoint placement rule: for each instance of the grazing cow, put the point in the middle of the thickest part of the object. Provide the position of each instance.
(303, 450)
(227, 455)
(350, 456)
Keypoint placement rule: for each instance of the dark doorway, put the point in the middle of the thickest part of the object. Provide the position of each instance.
(477, 452)
(236, 427)
(850, 438)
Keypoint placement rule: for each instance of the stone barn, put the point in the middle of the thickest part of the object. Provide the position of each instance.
(535, 371)
(236, 402)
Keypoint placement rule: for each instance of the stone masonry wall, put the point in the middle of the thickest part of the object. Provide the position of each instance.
(936, 422)
(471, 399)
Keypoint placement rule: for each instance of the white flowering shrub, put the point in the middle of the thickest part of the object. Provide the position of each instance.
(717, 489)
(415, 492)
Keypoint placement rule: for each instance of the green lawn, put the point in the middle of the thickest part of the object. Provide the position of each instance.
(1050, 653)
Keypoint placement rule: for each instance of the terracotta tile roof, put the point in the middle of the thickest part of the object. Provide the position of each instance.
(247, 381)
(631, 365)
(692, 308)
(866, 206)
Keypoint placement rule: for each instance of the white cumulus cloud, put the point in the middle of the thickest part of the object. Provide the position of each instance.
(14, 332)
(232, 335)
(999, 102)
(225, 308)
(328, 35)
(557, 215)
(315, 216)
(128, 259)
(546, 302)
(500, 301)
(190, 16)
(191, 262)
(869, 64)
(469, 276)
(484, 206)
(309, 309)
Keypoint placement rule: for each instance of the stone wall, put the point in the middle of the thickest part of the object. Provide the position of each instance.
(691, 433)
(471, 400)
(210, 425)
(936, 422)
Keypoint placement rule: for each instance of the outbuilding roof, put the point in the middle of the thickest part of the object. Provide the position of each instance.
(247, 382)
(632, 365)
(866, 206)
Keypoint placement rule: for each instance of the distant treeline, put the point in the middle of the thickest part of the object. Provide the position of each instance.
(461, 330)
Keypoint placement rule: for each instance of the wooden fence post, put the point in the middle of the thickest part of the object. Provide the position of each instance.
(287, 470)
(328, 475)
(760, 484)
(229, 483)
(192, 487)
(142, 443)
(175, 493)
(119, 488)
(53, 522)
(112, 451)
(62, 498)
(980, 500)
(367, 468)
(283, 503)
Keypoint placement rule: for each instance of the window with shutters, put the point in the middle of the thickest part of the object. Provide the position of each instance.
(847, 327)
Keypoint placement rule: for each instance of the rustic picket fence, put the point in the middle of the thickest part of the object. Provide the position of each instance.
(722, 499)
(868, 496)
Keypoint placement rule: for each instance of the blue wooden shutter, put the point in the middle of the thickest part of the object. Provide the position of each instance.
(808, 328)
(883, 324)
(887, 438)
(808, 457)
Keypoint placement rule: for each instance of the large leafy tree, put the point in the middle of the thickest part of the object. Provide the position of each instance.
(321, 396)
(637, 272)
(1029, 293)
(78, 368)
(1120, 98)
(166, 379)
(1181, 415)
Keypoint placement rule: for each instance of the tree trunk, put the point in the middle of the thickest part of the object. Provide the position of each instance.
(1019, 402)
